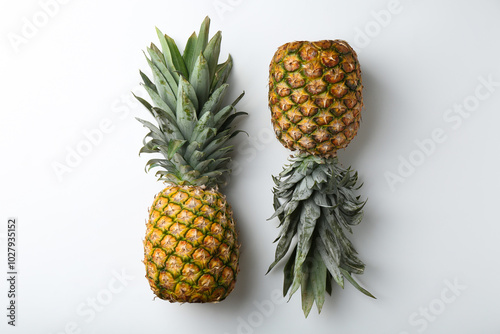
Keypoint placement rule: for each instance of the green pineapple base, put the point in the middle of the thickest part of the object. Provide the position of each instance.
(315, 201)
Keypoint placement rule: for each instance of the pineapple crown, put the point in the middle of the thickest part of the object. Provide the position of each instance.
(193, 127)
(315, 200)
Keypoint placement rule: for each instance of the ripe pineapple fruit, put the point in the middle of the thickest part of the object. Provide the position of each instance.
(315, 100)
(315, 96)
(191, 251)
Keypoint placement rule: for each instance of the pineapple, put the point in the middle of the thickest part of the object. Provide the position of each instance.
(191, 251)
(315, 98)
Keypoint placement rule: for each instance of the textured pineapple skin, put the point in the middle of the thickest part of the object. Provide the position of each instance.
(191, 251)
(315, 96)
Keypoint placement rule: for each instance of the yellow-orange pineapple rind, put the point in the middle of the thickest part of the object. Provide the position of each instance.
(315, 96)
(191, 252)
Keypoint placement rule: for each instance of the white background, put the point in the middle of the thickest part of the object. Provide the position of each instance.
(436, 224)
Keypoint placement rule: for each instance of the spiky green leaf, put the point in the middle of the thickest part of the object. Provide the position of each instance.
(288, 273)
(230, 120)
(355, 284)
(200, 79)
(185, 111)
(159, 61)
(202, 40)
(153, 128)
(318, 279)
(211, 52)
(157, 100)
(172, 56)
(214, 101)
(162, 87)
(185, 87)
(188, 55)
(330, 258)
(174, 146)
(307, 221)
(221, 74)
(307, 292)
(285, 240)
